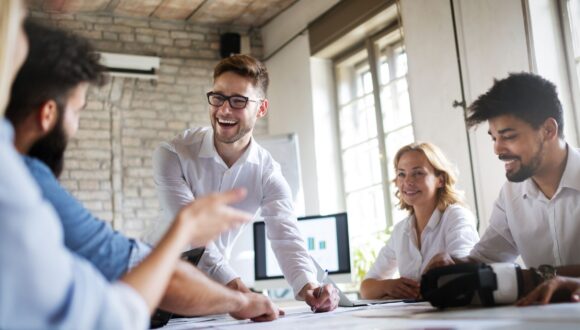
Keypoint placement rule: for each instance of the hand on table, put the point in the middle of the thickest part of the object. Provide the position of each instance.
(544, 292)
(320, 299)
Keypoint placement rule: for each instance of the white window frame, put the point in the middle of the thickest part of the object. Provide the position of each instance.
(572, 62)
(369, 44)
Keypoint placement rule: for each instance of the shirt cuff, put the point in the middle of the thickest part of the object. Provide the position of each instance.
(299, 282)
(224, 275)
(139, 251)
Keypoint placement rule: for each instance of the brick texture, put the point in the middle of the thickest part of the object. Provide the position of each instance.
(108, 163)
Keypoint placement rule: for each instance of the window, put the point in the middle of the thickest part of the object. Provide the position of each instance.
(573, 9)
(374, 122)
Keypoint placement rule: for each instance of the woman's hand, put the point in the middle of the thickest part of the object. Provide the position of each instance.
(402, 288)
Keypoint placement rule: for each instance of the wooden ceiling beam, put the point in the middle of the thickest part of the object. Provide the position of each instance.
(251, 13)
(141, 8)
(220, 11)
(176, 9)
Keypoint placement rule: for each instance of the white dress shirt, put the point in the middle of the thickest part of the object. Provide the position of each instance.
(189, 167)
(453, 232)
(42, 284)
(524, 222)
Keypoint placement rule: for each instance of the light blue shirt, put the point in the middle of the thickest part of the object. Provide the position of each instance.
(42, 284)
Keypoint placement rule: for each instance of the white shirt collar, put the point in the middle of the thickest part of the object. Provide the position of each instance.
(432, 223)
(570, 177)
(208, 150)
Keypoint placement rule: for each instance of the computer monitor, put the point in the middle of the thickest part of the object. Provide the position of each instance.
(327, 241)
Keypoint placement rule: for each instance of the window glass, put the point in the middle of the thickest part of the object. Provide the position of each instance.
(574, 16)
(370, 138)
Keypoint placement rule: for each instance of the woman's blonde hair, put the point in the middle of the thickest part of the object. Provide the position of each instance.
(446, 195)
(10, 20)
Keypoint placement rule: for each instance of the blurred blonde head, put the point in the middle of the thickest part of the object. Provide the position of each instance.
(11, 14)
(447, 194)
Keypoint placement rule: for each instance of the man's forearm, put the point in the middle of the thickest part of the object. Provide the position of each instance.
(192, 293)
(570, 271)
(531, 283)
(464, 260)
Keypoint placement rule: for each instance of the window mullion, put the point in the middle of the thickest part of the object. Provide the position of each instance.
(566, 25)
(373, 62)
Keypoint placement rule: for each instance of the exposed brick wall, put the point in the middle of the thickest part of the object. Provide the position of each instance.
(108, 164)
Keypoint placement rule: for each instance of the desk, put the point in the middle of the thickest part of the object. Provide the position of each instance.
(404, 316)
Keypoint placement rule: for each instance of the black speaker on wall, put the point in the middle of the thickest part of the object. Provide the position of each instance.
(230, 43)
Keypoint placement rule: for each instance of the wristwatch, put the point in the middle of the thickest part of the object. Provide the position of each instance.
(543, 273)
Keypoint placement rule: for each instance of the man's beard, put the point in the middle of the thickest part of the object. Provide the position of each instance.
(526, 171)
(50, 149)
(232, 139)
(239, 134)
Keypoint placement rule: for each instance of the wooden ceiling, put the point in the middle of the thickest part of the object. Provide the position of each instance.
(223, 12)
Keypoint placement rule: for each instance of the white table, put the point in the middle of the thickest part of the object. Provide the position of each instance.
(404, 316)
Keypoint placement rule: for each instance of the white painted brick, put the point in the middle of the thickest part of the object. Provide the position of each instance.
(95, 19)
(153, 123)
(164, 41)
(94, 205)
(143, 38)
(153, 32)
(126, 37)
(131, 22)
(105, 185)
(132, 203)
(88, 165)
(110, 36)
(167, 25)
(147, 214)
(88, 175)
(183, 43)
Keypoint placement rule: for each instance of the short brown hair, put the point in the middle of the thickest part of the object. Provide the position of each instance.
(245, 66)
(446, 195)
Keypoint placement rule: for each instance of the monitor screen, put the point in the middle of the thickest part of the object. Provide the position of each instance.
(326, 239)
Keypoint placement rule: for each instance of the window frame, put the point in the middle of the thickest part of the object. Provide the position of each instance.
(572, 69)
(370, 45)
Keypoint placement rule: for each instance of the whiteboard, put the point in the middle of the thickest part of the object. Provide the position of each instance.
(285, 150)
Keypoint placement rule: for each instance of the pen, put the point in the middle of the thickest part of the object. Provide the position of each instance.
(321, 285)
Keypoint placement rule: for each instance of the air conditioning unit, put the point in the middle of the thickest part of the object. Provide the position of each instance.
(132, 66)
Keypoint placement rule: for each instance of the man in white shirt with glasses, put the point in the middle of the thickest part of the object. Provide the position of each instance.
(204, 160)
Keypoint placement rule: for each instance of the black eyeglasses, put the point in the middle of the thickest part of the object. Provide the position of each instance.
(236, 101)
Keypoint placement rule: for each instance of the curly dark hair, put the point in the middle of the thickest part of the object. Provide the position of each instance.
(526, 96)
(58, 61)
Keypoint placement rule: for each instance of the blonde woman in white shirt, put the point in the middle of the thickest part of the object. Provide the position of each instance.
(437, 222)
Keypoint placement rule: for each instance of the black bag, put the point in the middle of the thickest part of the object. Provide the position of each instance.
(459, 285)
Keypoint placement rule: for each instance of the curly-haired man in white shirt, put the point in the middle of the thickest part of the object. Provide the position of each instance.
(537, 213)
